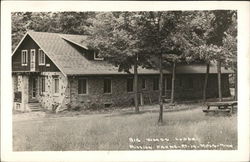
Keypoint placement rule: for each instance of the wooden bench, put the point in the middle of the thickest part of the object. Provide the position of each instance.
(224, 106)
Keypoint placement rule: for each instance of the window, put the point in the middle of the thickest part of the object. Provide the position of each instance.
(41, 57)
(130, 84)
(156, 84)
(82, 86)
(97, 56)
(24, 57)
(56, 84)
(143, 83)
(107, 85)
(42, 84)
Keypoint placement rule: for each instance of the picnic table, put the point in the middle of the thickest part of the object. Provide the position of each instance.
(223, 106)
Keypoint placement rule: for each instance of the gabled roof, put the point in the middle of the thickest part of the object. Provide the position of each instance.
(71, 62)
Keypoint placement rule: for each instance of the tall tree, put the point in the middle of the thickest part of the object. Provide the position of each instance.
(162, 32)
(115, 36)
(221, 22)
(230, 45)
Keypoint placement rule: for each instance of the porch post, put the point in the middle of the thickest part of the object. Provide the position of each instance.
(25, 92)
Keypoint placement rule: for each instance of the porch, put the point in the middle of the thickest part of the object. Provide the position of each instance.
(25, 87)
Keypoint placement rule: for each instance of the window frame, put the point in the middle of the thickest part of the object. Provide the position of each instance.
(54, 85)
(97, 58)
(132, 85)
(157, 85)
(110, 86)
(42, 87)
(79, 81)
(26, 58)
(40, 51)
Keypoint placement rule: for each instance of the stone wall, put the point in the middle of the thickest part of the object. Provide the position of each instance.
(49, 98)
(118, 97)
(68, 96)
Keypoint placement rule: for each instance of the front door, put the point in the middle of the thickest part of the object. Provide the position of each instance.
(32, 60)
(33, 86)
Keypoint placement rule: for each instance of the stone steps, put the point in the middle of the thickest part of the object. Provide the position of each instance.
(34, 106)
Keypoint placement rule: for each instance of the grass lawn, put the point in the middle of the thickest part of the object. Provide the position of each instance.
(189, 129)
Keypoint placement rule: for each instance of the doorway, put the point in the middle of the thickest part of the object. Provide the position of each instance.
(33, 88)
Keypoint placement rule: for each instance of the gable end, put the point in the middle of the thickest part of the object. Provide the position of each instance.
(28, 45)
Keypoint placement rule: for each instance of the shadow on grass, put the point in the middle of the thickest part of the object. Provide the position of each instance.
(220, 114)
(166, 109)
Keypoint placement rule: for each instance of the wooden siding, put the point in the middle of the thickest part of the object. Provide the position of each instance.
(28, 44)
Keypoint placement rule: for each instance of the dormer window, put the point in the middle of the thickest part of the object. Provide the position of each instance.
(24, 58)
(97, 56)
(41, 57)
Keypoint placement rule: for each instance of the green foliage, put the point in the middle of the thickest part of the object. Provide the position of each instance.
(211, 35)
(115, 36)
(220, 23)
(57, 22)
(189, 36)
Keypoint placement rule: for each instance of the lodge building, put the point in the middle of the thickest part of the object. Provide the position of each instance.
(51, 69)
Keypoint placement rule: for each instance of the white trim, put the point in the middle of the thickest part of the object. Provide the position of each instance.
(26, 57)
(97, 58)
(110, 86)
(33, 50)
(87, 85)
(74, 42)
(39, 57)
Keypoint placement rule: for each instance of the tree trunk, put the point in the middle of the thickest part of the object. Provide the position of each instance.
(136, 87)
(173, 83)
(235, 86)
(160, 120)
(205, 83)
(219, 79)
